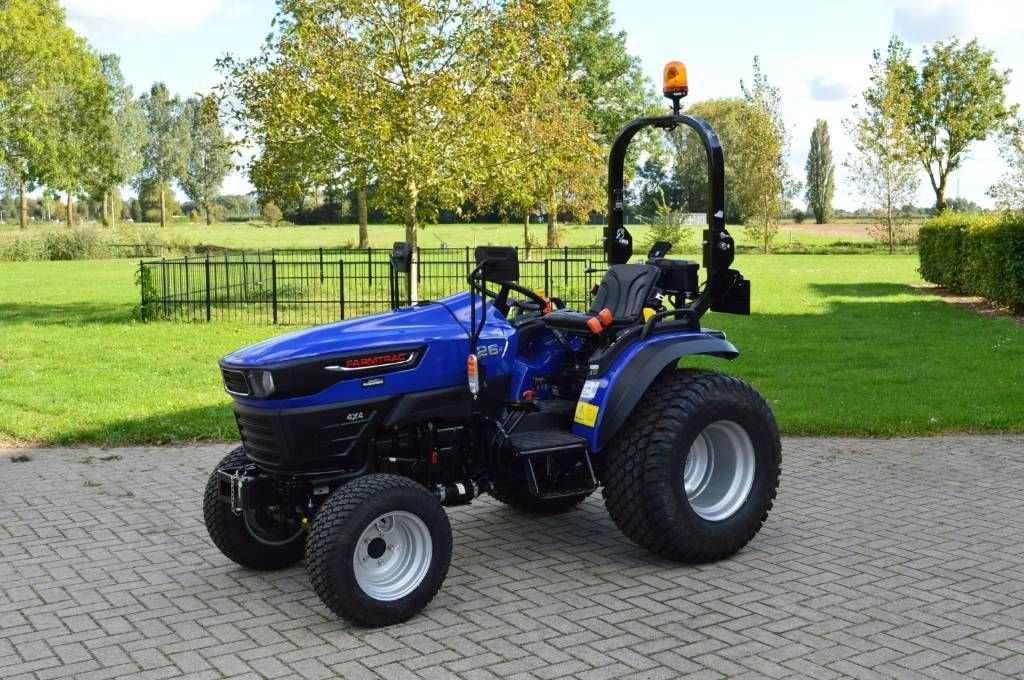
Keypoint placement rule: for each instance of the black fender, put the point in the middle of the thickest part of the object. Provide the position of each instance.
(643, 368)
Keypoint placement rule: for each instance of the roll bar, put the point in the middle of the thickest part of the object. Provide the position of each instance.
(719, 249)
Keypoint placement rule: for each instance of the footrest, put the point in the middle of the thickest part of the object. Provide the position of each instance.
(546, 442)
(556, 463)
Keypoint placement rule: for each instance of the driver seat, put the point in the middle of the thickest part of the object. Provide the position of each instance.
(624, 291)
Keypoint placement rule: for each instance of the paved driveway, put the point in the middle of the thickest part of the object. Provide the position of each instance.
(897, 558)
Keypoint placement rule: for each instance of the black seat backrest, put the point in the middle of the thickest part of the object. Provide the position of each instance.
(624, 290)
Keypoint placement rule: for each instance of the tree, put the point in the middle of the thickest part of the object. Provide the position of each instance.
(958, 98)
(1008, 192)
(611, 81)
(165, 152)
(762, 165)
(413, 92)
(128, 135)
(155, 201)
(730, 118)
(52, 100)
(821, 181)
(884, 168)
(209, 154)
(554, 162)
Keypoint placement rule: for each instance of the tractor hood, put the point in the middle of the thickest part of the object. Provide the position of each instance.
(419, 347)
(398, 328)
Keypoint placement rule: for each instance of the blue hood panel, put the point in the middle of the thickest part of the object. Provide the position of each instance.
(441, 327)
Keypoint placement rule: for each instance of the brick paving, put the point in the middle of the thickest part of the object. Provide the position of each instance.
(883, 558)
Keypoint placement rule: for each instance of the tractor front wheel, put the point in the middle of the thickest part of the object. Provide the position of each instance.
(694, 473)
(264, 538)
(378, 549)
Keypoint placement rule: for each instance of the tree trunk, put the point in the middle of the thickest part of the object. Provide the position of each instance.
(361, 210)
(552, 221)
(526, 233)
(940, 195)
(163, 208)
(114, 209)
(105, 214)
(23, 211)
(209, 218)
(71, 214)
(411, 229)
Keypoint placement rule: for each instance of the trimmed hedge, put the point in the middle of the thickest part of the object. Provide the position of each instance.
(974, 254)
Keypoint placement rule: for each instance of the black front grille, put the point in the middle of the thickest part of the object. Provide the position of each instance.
(259, 437)
(235, 382)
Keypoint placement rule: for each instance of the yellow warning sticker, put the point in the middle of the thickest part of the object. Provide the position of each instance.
(586, 414)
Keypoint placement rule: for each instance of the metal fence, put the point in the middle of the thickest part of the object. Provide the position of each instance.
(302, 287)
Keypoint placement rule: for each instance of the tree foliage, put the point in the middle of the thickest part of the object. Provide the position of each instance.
(730, 118)
(165, 151)
(821, 181)
(959, 97)
(209, 154)
(554, 163)
(54, 103)
(884, 167)
(762, 162)
(611, 81)
(411, 92)
(1008, 192)
(126, 139)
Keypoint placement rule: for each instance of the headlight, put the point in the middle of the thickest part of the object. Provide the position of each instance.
(262, 383)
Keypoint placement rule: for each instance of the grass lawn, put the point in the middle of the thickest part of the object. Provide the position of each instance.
(838, 344)
(253, 236)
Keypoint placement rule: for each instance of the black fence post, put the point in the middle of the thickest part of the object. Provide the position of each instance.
(369, 266)
(163, 274)
(142, 290)
(341, 288)
(188, 291)
(565, 253)
(547, 278)
(227, 282)
(207, 288)
(419, 267)
(321, 266)
(273, 276)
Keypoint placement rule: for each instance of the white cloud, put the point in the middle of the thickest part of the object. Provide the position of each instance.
(132, 18)
(825, 89)
(922, 21)
(236, 10)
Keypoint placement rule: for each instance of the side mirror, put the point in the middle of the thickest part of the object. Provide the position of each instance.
(659, 250)
(501, 263)
(401, 257)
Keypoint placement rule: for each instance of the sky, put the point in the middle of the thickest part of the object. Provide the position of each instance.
(817, 52)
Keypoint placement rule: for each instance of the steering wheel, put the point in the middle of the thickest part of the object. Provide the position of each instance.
(534, 301)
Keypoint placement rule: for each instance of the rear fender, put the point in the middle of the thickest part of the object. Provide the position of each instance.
(608, 401)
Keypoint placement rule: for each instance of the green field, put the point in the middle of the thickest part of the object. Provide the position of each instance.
(838, 344)
(254, 236)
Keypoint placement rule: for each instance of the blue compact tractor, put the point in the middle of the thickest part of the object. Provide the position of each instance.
(356, 435)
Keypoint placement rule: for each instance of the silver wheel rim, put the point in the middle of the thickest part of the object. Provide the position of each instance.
(392, 556)
(719, 470)
(265, 535)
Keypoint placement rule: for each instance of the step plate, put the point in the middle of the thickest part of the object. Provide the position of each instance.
(546, 442)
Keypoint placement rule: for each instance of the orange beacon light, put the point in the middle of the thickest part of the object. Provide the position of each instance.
(674, 81)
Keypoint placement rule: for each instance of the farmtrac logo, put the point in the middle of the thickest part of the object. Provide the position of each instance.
(373, 361)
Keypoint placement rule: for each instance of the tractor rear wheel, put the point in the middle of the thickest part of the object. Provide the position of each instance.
(263, 539)
(378, 549)
(694, 473)
(521, 499)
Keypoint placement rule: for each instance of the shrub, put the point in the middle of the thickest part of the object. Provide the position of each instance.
(73, 244)
(976, 254)
(271, 213)
(799, 216)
